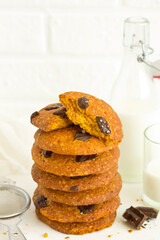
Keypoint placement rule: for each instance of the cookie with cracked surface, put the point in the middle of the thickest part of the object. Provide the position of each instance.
(88, 197)
(67, 213)
(93, 115)
(51, 117)
(70, 141)
(70, 184)
(78, 228)
(71, 165)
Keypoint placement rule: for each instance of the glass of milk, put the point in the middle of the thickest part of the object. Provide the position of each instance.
(151, 173)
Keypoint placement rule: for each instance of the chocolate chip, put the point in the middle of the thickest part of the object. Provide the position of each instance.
(83, 102)
(34, 114)
(83, 158)
(40, 202)
(74, 188)
(47, 154)
(86, 209)
(82, 135)
(149, 212)
(134, 217)
(54, 106)
(61, 112)
(79, 177)
(103, 125)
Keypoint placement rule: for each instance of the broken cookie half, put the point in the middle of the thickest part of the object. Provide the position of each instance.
(93, 115)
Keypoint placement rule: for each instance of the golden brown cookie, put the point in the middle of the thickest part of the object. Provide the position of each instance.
(66, 213)
(93, 115)
(51, 117)
(70, 165)
(69, 141)
(87, 197)
(63, 183)
(78, 228)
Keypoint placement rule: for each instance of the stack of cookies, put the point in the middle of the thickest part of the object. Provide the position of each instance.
(75, 164)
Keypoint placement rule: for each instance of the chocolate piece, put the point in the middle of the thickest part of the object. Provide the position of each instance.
(55, 106)
(149, 212)
(79, 177)
(83, 158)
(74, 188)
(34, 114)
(47, 154)
(134, 217)
(103, 125)
(40, 202)
(61, 112)
(82, 135)
(83, 102)
(86, 209)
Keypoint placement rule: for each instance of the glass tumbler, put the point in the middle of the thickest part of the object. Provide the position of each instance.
(151, 173)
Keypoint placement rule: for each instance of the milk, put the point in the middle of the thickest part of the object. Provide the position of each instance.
(135, 117)
(151, 180)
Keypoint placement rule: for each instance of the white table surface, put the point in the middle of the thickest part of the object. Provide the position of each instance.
(33, 229)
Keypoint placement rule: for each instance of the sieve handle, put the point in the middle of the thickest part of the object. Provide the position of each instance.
(15, 233)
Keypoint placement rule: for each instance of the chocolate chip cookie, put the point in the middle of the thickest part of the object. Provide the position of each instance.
(78, 228)
(51, 117)
(71, 165)
(94, 196)
(70, 141)
(66, 213)
(62, 183)
(93, 115)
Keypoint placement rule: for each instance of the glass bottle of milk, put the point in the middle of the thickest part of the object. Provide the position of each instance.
(133, 98)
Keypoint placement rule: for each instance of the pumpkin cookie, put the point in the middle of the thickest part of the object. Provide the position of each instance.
(51, 117)
(66, 213)
(49, 180)
(93, 115)
(78, 228)
(70, 141)
(94, 196)
(71, 165)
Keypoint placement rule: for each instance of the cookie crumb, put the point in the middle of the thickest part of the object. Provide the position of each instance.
(109, 235)
(4, 233)
(130, 230)
(137, 200)
(45, 235)
(66, 237)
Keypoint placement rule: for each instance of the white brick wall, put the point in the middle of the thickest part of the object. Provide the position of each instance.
(22, 33)
(59, 3)
(85, 34)
(52, 46)
(44, 80)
